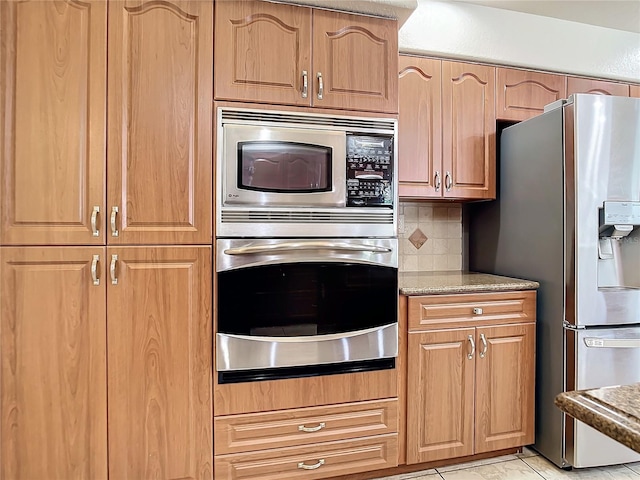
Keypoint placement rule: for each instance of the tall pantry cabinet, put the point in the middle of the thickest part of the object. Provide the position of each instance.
(105, 234)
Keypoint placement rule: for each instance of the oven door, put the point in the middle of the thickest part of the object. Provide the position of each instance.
(291, 308)
(276, 166)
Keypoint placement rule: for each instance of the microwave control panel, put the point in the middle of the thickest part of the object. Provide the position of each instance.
(369, 170)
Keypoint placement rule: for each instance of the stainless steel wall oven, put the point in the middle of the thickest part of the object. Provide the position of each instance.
(306, 247)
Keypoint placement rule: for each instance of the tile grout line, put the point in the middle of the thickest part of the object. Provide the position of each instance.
(533, 468)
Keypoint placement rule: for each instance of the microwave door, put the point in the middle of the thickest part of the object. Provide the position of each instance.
(276, 166)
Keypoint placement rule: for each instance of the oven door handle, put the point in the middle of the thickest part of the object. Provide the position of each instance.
(298, 246)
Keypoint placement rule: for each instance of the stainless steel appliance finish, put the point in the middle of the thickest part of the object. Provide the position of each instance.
(566, 216)
(361, 200)
(244, 352)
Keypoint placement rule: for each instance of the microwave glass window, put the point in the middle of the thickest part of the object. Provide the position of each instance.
(284, 167)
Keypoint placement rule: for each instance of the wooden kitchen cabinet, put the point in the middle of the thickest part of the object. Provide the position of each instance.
(471, 373)
(523, 94)
(52, 128)
(294, 55)
(446, 129)
(53, 401)
(160, 132)
(599, 87)
(159, 358)
(634, 91)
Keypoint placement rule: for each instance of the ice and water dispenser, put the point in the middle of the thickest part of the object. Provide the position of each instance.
(619, 245)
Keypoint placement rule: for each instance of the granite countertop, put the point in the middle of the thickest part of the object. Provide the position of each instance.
(614, 411)
(428, 283)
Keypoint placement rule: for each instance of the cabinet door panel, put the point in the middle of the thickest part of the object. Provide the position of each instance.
(634, 91)
(159, 380)
(419, 127)
(469, 130)
(522, 94)
(160, 110)
(505, 378)
(53, 405)
(598, 87)
(358, 59)
(440, 386)
(261, 51)
(52, 127)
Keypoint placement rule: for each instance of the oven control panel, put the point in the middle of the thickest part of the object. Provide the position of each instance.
(369, 170)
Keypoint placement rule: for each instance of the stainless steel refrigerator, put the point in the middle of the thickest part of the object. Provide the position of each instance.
(568, 216)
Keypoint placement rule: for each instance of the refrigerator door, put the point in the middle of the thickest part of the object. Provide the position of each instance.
(603, 357)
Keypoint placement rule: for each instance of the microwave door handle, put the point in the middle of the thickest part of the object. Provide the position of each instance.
(299, 246)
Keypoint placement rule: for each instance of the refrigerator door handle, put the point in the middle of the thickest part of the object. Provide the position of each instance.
(595, 342)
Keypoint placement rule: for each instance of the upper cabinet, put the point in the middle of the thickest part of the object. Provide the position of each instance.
(521, 94)
(160, 133)
(292, 55)
(634, 91)
(53, 62)
(446, 141)
(599, 87)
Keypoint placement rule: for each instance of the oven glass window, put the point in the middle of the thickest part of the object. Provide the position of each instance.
(300, 299)
(284, 167)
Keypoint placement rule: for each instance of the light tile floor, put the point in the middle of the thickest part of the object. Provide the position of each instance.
(527, 465)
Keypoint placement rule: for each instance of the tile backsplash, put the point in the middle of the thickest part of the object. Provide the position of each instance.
(430, 236)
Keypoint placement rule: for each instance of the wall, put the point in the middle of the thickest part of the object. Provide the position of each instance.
(429, 236)
(491, 35)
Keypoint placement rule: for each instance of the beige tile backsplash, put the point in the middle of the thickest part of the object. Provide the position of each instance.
(442, 226)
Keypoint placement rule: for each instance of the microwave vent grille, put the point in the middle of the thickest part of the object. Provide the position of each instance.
(309, 217)
(284, 119)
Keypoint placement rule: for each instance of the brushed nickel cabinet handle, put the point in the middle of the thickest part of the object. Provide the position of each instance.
(303, 466)
(320, 426)
(473, 347)
(112, 269)
(437, 181)
(320, 86)
(94, 270)
(483, 339)
(114, 229)
(305, 84)
(94, 221)
(448, 181)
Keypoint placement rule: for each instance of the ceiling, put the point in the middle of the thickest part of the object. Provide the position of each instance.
(617, 14)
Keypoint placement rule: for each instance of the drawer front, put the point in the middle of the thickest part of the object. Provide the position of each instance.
(460, 310)
(311, 461)
(301, 426)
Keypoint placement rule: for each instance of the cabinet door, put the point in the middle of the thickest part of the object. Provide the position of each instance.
(505, 378)
(53, 406)
(52, 125)
(357, 60)
(419, 128)
(522, 94)
(440, 386)
(159, 379)
(160, 110)
(263, 52)
(600, 87)
(634, 91)
(468, 130)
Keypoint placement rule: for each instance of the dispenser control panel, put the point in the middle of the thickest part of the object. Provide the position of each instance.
(621, 213)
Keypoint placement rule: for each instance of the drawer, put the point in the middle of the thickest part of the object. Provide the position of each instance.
(311, 461)
(301, 426)
(461, 310)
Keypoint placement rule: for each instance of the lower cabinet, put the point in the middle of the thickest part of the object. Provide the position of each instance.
(470, 388)
(105, 360)
(311, 443)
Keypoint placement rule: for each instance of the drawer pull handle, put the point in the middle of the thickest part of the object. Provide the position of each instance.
(483, 339)
(94, 270)
(94, 221)
(320, 426)
(473, 347)
(477, 311)
(303, 466)
(114, 228)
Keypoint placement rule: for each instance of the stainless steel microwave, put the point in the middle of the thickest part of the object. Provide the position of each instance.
(286, 173)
